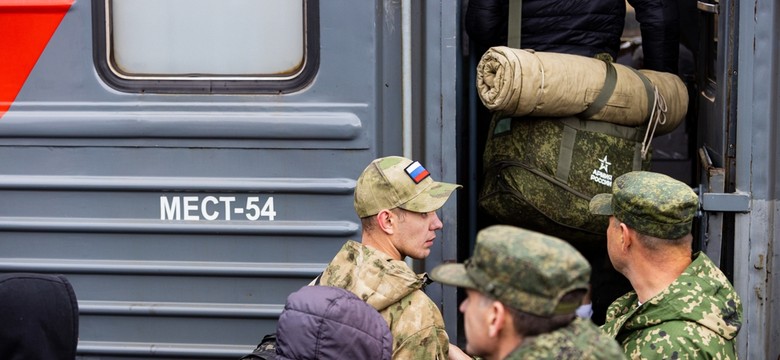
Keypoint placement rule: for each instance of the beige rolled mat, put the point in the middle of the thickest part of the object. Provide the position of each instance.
(517, 82)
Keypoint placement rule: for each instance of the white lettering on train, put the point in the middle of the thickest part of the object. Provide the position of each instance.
(193, 208)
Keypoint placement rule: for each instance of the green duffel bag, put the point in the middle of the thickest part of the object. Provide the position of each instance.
(540, 173)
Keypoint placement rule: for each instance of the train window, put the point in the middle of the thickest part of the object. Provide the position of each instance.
(206, 45)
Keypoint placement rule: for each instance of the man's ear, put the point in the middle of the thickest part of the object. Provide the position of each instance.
(386, 221)
(496, 317)
(626, 237)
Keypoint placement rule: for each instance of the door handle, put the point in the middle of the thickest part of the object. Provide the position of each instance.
(708, 7)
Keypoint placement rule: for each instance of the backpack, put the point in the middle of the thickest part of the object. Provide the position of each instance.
(266, 350)
(540, 173)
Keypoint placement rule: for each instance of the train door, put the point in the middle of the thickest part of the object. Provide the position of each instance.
(737, 136)
(188, 164)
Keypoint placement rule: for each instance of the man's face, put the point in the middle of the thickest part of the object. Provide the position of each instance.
(416, 232)
(475, 309)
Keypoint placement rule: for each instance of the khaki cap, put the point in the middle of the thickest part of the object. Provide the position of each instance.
(397, 182)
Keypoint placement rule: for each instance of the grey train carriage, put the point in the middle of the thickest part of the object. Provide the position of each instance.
(189, 163)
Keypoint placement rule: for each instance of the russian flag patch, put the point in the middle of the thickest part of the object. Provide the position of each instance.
(417, 172)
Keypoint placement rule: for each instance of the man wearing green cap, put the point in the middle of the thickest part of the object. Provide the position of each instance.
(396, 200)
(682, 306)
(523, 288)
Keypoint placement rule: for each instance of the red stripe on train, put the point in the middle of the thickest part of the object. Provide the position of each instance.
(25, 28)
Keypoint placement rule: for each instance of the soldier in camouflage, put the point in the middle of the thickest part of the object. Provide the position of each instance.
(396, 200)
(682, 306)
(523, 288)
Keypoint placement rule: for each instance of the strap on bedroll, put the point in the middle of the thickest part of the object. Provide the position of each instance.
(610, 81)
(515, 24)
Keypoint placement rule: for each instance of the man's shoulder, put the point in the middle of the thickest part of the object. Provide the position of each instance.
(618, 312)
(681, 339)
(579, 340)
(351, 254)
(416, 308)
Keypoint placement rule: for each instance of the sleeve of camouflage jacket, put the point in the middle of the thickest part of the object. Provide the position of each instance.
(428, 343)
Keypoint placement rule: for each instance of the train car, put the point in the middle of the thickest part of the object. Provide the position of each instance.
(187, 164)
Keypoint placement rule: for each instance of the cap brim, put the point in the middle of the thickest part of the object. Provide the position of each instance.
(601, 204)
(452, 274)
(430, 199)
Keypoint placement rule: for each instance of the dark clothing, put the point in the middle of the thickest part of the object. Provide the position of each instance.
(323, 322)
(581, 27)
(39, 317)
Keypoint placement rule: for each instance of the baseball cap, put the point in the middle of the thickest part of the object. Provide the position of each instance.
(526, 270)
(651, 203)
(395, 181)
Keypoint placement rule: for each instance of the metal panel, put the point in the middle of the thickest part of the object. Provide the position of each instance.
(86, 172)
(758, 169)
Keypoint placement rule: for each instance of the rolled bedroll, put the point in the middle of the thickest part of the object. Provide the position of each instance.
(516, 82)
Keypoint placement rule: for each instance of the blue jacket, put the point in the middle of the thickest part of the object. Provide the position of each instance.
(323, 322)
(581, 27)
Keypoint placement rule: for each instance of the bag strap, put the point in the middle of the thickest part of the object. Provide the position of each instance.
(649, 88)
(565, 153)
(514, 23)
(569, 136)
(610, 81)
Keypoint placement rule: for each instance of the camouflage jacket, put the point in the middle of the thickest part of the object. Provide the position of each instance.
(579, 340)
(392, 288)
(697, 317)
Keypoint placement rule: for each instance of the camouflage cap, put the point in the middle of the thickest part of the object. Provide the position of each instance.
(526, 270)
(395, 181)
(651, 203)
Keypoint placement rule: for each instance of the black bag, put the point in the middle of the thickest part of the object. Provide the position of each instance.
(266, 350)
(540, 173)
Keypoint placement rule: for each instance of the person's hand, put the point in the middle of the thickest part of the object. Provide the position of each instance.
(455, 353)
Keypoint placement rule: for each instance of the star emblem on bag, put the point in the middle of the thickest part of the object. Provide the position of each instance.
(604, 164)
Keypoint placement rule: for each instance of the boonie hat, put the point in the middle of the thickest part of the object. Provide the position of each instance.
(651, 203)
(395, 181)
(526, 270)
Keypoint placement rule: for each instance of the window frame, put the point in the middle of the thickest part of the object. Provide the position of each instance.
(210, 84)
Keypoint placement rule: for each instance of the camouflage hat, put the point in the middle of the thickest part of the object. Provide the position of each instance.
(526, 270)
(394, 181)
(651, 203)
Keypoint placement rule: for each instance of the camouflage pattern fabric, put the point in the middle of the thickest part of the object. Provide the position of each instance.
(397, 182)
(697, 317)
(528, 184)
(392, 288)
(578, 340)
(526, 270)
(651, 203)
